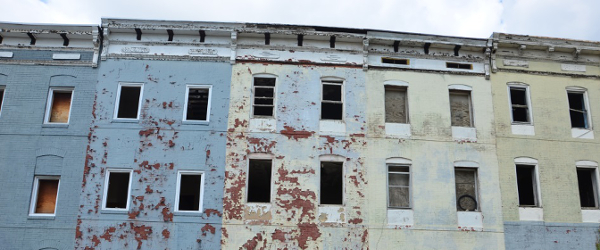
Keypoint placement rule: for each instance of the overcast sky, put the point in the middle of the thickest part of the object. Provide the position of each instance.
(575, 19)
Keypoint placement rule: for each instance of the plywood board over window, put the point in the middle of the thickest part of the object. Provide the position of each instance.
(395, 105)
(460, 108)
(43, 199)
(59, 105)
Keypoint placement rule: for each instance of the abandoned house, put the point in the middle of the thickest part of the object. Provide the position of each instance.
(147, 134)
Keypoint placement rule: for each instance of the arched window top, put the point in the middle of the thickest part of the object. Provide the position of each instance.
(466, 164)
(264, 75)
(586, 164)
(395, 83)
(526, 160)
(260, 156)
(332, 157)
(576, 88)
(332, 78)
(398, 160)
(460, 87)
(517, 84)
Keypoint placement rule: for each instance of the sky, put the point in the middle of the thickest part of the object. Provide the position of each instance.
(574, 19)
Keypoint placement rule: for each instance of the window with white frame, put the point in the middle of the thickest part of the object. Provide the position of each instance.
(1, 97)
(190, 189)
(399, 183)
(332, 183)
(527, 185)
(519, 104)
(116, 189)
(197, 103)
(460, 108)
(396, 104)
(578, 108)
(332, 102)
(466, 189)
(259, 180)
(44, 196)
(59, 105)
(263, 103)
(129, 100)
(587, 180)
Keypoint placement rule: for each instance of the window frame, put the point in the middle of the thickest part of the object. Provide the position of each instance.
(337, 159)
(105, 191)
(406, 101)
(187, 95)
(178, 190)
(260, 156)
(537, 194)
(50, 100)
(333, 81)
(118, 100)
(517, 85)
(253, 98)
(590, 165)
(588, 113)
(462, 90)
(387, 183)
(34, 195)
(3, 89)
(475, 171)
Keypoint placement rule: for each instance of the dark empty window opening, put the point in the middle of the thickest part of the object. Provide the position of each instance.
(396, 106)
(118, 190)
(398, 186)
(460, 108)
(332, 105)
(577, 110)
(395, 60)
(259, 181)
(1, 98)
(451, 65)
(129, 101)
(47, 190)
(519, 106)
(197, 104)
(586, 178)
(466, 189)
(264, 96)
(526, 184)
(60, 106)
(189, 192)
(332, 183)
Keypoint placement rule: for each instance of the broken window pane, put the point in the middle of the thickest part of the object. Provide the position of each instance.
(46, 196)
(466, 189)
(259, 181)
(264, 96)
(587, 187)
(395, 105)
(520, 109)
(460, 108)
(577, 110)
(189, 192)
(332, 106)
(118, 190)
(129, 102)
(526, 185)
(60, 106)
(332, 177)
(197, 106)
(398, 186)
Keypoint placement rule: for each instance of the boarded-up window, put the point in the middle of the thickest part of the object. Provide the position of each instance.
(117, 192)
(332, 183)
(396, 107)
(60, 106)
(460, 108)
(332, 104)
(259, 180)
(264, 96)
(198, 103)
(398, 186)
(45, 196)
(129, 101)
(190, 184)
(586, 178)
(466, 189)
(526, 184)
(577, 110)
(519, 105)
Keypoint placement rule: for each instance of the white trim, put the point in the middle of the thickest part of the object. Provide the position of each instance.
(526, 161)
(588, 164)
(187, 95)
(398, 160)
(333, 81)
(595, 179)
(260, 156)
(520, 85)
(178, 189)
(537, 191)
(107, 176)
(34, 195)
(475, 171)
(118, 100)
(466, 164)
(51, 99)
(264, 75)
(387, 182)
(333, 158)
(588, 113)
(398, 83)
(460, 87)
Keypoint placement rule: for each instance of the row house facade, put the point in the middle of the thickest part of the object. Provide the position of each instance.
(146, 134)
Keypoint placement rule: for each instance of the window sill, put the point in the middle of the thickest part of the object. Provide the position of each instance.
(582, 133)
(55, 125)
(522, 129)
(469, 221)
(114, 211)
(41, 217)
(117, 120)
(192, 122)
(403, 217)
(591, 215)
(531, 213)
(401, 130)
(464, 133)
(188, 213)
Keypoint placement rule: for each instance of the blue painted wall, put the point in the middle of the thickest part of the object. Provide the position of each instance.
(156, 147)
(548, 235)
